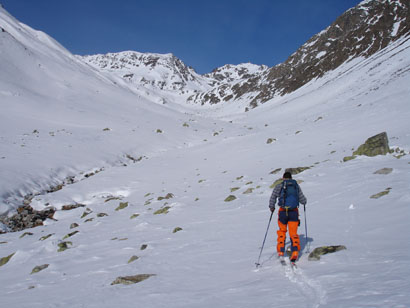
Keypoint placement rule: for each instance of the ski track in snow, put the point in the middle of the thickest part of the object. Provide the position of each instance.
(311, 289)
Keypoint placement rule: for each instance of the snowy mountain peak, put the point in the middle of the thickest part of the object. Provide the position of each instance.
(359, 32)
(163, 72)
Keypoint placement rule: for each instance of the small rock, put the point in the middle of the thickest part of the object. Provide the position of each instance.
(131, 279)
(384, 171)
(163, 210)
(71, 207)
(381, 194)
(70, 235)
(168, 196)
(74, 225)
(86, 212)
(248, 191)
(296, 170)
(144, 246)
(319, 251)
(63, 246)
(132, 259)
(102, 214)
(177, 229)
(39, 268)
(230, 198)
(43, 238)
(275, 171)
(122, 206)
(5, 260)
(25, 233)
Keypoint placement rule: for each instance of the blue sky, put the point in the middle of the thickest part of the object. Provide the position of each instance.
(203, 34)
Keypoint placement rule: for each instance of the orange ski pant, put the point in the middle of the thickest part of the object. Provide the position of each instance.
(285, 219)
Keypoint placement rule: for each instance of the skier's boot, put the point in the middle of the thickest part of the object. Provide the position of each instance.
(294, 256)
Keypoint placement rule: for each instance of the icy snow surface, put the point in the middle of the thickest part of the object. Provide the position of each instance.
(55, 110)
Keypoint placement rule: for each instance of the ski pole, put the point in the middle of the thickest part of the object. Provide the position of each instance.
(306, 234)
(263, 244)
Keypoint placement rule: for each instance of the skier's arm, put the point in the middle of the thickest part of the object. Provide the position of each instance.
(274, 196)
(302, 198)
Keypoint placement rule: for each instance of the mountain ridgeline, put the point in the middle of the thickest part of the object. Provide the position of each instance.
(359, 32)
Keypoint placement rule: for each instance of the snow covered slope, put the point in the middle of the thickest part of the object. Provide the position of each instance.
(60, 117)
(183, 179)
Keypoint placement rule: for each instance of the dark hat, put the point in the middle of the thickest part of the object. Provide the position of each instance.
(287, 175)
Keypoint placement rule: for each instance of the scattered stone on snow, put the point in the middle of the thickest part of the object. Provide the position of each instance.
(235, 189)
(5, 260)
(248, 191)
(384, 171)
(87, 211)
(275, 171)
(131, 279)
(230, 198)
(144, 246)
(112, 198)
(63, 246)
(122, 206)
(163, 210)
(270, 140)
(89, 219)
(399, 153)
(25, 233)
(381, 194)
(71, 206)
(177, 229)
(74, 225)
(70, 235)
(39, 268)
(168, 196)
(43, 238)
(134, 216)
(296, 170)
(102, 214)
(278, 181)
(132, 259)
(319, 251)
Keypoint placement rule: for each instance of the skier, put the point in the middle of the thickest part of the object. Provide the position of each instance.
(290, 195)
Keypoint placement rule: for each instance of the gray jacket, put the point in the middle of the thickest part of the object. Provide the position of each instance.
(276, 194)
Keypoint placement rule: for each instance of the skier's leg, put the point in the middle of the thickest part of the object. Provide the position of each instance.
(282, 223)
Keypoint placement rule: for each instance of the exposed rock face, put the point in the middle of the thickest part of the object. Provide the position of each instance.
(376, 145)
(360, 31)
(27, 217)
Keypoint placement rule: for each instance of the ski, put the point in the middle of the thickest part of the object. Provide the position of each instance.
(282, 260)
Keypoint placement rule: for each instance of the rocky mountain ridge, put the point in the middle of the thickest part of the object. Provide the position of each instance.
(359, 32)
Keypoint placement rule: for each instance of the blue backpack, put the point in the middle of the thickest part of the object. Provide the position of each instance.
(289, 194)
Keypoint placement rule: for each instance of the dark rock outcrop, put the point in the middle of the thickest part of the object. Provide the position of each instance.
(27, 217)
